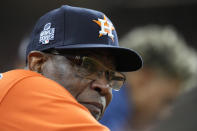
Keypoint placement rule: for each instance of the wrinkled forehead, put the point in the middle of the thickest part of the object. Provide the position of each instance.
(102, 56)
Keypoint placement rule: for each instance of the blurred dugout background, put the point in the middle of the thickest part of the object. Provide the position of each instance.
(18, 17)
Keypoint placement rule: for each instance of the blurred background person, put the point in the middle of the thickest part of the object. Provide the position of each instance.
(183, 116)
(170, 67)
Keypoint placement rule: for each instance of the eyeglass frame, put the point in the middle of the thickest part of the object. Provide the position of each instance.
(78, 57)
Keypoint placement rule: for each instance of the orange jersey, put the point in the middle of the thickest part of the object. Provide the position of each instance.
(31, 102)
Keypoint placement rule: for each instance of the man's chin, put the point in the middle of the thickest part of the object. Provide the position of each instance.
(96, 112)
(96, 116)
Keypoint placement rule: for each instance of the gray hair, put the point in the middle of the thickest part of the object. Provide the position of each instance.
(163, 48)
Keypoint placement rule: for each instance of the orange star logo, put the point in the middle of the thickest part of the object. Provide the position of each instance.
(106, 27)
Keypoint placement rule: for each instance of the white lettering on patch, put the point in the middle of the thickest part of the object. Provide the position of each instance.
(47, 34)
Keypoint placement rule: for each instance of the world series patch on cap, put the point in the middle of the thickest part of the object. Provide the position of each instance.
(70, 28)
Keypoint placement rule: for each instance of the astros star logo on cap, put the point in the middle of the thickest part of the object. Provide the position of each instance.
(106, 27)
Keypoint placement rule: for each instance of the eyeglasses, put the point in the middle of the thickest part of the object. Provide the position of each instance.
(89, 68)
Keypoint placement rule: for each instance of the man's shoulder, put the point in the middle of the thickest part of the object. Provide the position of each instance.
(16, 74)
(20, 72)
(28, 81)
(10, 78)
(43, 85)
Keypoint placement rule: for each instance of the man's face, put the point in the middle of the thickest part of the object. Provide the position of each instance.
(152, 92)
(95, 95)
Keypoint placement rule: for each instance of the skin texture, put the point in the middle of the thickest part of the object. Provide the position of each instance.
(93, 94)
(152, 93)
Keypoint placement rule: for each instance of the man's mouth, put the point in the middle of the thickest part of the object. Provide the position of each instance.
(94, 106)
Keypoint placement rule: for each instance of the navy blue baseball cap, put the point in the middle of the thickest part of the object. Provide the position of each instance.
(71, 28)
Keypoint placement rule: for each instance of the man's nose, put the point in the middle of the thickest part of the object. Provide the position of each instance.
(101, 85)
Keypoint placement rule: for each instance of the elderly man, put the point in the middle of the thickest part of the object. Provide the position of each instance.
(74, 61)
(170, 68)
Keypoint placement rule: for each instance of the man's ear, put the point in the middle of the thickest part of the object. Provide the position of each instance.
(35, 60)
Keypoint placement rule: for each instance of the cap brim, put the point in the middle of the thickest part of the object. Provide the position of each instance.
(126, 59)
